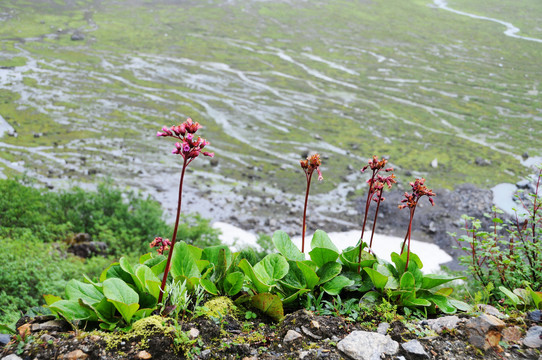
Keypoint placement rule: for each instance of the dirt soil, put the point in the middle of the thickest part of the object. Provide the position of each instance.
(258, 339)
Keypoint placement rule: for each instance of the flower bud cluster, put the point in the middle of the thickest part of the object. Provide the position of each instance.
(310, 164)
(418, 190)
(162, 244)
(189, 147)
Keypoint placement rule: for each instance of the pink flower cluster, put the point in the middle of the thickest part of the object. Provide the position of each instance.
(378, 186)
(189, 147)
(418, 190)
(310, 164)
(162, 244)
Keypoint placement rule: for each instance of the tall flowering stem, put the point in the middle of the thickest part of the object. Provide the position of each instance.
(411, 201)
(376, 166)
(189, 148)
(309, 165)
(378, 198)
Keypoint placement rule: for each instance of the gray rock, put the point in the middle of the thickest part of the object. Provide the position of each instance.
(523, 184)
(310, 334)
(491, 310)
(77, 36)
(205, 354)
(4, 339)
(364, 345)
(534, 315)
(291, 335)
(12, 357)
(445, 322)
(482, 162)
(485, 331)
(414, 347)
(383, 328)
(533, 338)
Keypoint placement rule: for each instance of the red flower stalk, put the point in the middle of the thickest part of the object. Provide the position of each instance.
(411, 201)
(376, 166)
(162, 244)
(309, 165)
(378, 198)
(189, 148)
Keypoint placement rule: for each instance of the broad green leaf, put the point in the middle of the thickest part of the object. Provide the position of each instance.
(157, 264)
(269, 304)
(143, 313)
(414, 302)
(294, 296)
(321, 240)
(441, 302)
(258, 284)
(460, 305)
(400, 262)
(524, 295)
(536, 297)
(183, 262)
(202, 264)
(115, 271)
(195, 251)
(233, 283)
(126, 310)
(311, 279)
(105, 310)
(350, 257)
(362, 281)
(335, 285)
(328, 271)
(98, 286)
(379, 280)
(209, 286)
(122, 296)
(286, 247)
(407, 282)
(322, 255)
(294, 280)
(219, 256)
(72, 310)
(145, 257)
(371, 297)
(387, 270)
(152, 261)
(118, 290)
(78, 290)
(445, 292)
(432, 280)
(51, 299)
(126, 266)
(5, 329)
(150, 282)
(272, 268)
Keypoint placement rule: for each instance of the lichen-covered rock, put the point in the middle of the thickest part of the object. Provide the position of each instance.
(485, 331)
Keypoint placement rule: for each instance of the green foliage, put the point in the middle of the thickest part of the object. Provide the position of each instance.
(409, 288)
(30, 268)
(125, 293)
(506, 261)
(23, 207)
(126, 222)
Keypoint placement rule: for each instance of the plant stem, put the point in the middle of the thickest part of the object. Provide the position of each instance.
(374, 221)
(309, 176)
(174, 238)
(367, 204)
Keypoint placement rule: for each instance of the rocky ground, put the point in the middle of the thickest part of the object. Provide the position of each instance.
(488, 334)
